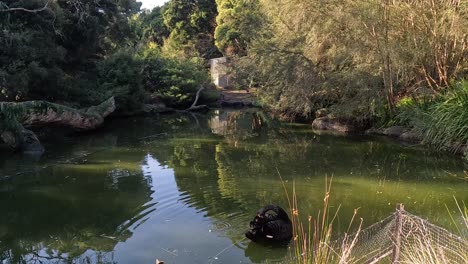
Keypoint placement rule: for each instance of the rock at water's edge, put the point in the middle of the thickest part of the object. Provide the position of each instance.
(395, 131)
(327, 123)
(411, 136)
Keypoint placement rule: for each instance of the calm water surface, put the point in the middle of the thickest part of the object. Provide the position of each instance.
(183, 188)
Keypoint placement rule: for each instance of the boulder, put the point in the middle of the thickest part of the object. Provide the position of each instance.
(327, 123)
(33, 113)
(395, 131)
(411, 136)
(374, 131)
(322, 112)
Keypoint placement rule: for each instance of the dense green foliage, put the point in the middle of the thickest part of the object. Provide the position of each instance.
(443, 122)
(191, 25)
(120, 76)
(175, 82)
(356, 57)
(81, 52)
(238, 22)
(150, 77)
(51, 54)
(150, 26)
(365, 61)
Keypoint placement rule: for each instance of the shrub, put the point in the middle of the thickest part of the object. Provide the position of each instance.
(120, 76)
(172, 81)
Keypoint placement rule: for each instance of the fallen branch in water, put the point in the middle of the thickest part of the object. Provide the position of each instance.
(194, 105)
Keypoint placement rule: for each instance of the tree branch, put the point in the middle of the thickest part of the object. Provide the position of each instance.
(8, 9)
(194, 105)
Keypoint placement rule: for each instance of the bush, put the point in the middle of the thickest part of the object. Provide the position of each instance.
(353, 57)
(120, 76)
(172, 81)
(131, 79)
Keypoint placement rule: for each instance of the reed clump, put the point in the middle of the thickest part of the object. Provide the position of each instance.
(419, 241)
(441, 121)
(312, 241)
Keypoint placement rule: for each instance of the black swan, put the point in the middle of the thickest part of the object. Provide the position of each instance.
(271, 223)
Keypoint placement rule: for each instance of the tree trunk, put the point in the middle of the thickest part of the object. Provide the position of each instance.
(14, 115)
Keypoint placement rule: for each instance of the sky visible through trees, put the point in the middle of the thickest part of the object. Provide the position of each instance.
(150, 4)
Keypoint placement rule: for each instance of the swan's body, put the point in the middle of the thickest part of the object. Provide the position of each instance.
(270, 224)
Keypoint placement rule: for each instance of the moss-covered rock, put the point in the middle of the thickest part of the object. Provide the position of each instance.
(14, 116)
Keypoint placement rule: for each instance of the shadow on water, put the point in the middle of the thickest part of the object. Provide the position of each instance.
(184, 187)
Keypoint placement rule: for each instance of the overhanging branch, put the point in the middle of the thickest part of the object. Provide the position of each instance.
(8, 9)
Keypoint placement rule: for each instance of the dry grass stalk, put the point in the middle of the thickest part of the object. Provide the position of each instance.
(313, 242)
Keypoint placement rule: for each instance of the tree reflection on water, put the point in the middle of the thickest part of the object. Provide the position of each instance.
(84, 201)
(69, 210)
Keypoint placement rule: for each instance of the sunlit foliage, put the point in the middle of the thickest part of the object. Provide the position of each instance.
(358, 57)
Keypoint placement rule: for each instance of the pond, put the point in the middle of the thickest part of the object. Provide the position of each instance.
(183, 187)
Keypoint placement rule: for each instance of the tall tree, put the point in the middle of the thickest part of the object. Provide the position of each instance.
(192, 24)
(46, 54)
(152, 25)
(238, 22)
(358, 57)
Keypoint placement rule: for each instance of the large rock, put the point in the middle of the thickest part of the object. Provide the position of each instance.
(400, 132)
(42, 113)
(411, 136)
(374, 131)
(328, 123)
(395, 131)
(23, 139)
(322, 112)
(15, 115)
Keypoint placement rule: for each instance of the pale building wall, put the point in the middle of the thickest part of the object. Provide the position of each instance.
(219, 72)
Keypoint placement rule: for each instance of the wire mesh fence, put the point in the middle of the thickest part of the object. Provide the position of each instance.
(406, 238)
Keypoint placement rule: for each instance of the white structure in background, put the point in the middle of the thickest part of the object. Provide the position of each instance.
(219, 72)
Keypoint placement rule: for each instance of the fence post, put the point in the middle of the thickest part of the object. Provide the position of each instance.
(397, 233)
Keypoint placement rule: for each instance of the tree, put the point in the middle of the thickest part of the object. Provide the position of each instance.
(51, 53)
(238, 22)
(191, 25)
(357, 57)
(152, 27)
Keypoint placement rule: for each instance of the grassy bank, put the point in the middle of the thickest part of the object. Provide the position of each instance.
(442, 121)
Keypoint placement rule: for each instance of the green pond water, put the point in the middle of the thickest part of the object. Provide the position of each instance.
(182, 188)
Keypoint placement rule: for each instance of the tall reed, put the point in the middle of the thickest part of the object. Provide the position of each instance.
(313, 242)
